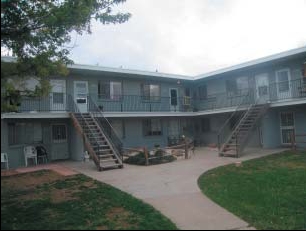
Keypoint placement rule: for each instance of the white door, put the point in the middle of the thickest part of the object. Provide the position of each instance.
(174, 104)
(58, 95)
(262, 88)
(283, 84)
(80, 95)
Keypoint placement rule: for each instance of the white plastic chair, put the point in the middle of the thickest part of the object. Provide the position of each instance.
(4, 159)
(30, 153)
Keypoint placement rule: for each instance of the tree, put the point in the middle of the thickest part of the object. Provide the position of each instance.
(38, 31)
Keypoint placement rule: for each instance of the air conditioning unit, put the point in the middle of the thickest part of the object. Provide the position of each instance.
(186, 100)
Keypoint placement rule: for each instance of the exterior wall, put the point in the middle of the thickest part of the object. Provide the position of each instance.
(216, 84)
(270, 125)
(76, 144)
(216, 122)
(134, 136)
(56, 151)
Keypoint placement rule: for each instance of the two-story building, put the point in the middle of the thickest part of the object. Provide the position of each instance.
(261, 103)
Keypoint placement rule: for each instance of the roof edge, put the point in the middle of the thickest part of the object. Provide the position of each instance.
(252, 62)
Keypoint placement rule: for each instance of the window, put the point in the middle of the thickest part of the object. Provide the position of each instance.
(110, 90)
(205, 124)
(24, 133)
(58, 97)
(283, 80)
(231, 87)
(59, 133)
(152, 127)
(202, 92)
(150, 92)
(287, 126)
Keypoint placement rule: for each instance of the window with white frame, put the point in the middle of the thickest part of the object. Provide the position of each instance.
(152, 127)
(283, 80)
(59, 133)
(150, 92)
(111, 90)
(287, 127)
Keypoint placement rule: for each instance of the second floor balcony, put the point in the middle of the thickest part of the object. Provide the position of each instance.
(61, 102)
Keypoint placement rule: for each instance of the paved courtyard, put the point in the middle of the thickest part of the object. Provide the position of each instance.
(172, 188)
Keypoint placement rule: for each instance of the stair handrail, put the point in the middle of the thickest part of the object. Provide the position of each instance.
(243, 142)
(76, 109)
(238, 109)
(113, 138)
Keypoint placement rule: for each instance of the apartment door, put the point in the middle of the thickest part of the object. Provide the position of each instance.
(173, 131)
(81, 95)
(174, 99)
(262, 88)
(287, 127)
(283, 84)
(58, 95)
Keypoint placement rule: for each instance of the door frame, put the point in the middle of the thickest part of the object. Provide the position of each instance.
(82, 110)
(256, 85)
(174, 108)
(285, 127)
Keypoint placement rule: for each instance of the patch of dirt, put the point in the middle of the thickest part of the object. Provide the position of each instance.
(293, 165)
(29, 181)
(9, 172)
(89, 184)
(102, 228)
(61, 195)
(120, 216)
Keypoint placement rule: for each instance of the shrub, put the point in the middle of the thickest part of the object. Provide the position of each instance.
(139, 159)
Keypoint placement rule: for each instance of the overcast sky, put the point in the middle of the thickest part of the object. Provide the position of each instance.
(192, 37)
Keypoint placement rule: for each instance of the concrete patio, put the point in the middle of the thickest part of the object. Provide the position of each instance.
(172, 188)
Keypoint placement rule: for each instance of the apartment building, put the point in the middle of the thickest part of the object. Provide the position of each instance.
(261, 103)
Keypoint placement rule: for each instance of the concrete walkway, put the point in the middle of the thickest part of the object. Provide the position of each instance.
(172, 188)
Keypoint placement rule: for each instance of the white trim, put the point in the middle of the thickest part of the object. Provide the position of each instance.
(284, 54)
(177, 107)
(59, 141)
(59, 106)
(289, 92)
(81, 107)
(36, 115)
(266, 75)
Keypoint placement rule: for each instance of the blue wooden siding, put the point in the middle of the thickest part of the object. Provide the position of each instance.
(55, 150)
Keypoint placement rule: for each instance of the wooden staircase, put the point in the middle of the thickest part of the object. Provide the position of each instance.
(237, 140)
(97, 144)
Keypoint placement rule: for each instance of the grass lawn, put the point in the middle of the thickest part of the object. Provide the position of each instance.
(268, 193)
(45, 200)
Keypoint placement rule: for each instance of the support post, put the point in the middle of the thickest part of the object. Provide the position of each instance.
(145, 151)
(186, 148)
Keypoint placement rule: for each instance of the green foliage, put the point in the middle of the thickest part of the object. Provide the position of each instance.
(10, 98)
(38, 31)
(269, 192)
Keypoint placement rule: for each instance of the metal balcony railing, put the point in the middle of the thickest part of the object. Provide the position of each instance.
(277, 91)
